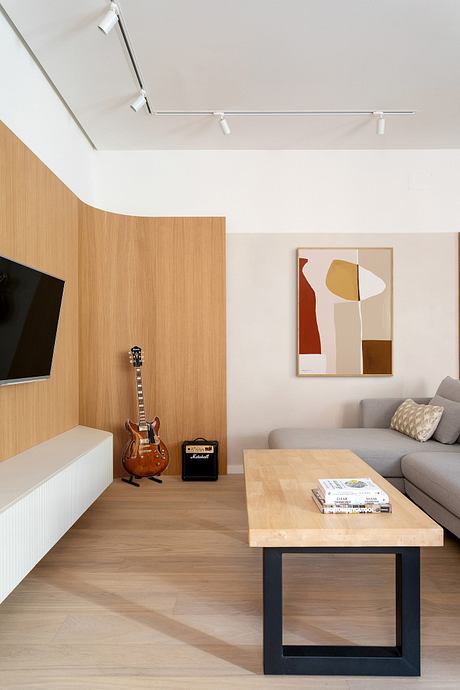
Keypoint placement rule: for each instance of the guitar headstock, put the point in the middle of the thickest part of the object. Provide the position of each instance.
(136, 358)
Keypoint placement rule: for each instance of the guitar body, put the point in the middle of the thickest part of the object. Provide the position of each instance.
(145, 455)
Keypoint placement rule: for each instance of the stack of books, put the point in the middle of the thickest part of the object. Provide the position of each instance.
(350, 496)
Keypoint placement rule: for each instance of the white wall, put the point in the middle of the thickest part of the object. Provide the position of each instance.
(263, 389)
(288, 191)
(30, 107)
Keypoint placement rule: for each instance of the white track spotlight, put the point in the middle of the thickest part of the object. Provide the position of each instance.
(225, 127)
(380, 121)
(139, 102)
(109, 19)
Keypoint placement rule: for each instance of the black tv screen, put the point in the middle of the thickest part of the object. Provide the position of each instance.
(30, 302)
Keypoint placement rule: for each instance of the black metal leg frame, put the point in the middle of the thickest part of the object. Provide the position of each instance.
(401, 660)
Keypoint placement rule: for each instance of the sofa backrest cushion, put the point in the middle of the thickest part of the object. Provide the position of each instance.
(376, 413)
(448, 430)
(449, 388)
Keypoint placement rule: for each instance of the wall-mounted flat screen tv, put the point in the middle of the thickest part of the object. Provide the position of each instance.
(30, 302)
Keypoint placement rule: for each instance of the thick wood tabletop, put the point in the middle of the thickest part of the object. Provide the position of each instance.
(281, 511)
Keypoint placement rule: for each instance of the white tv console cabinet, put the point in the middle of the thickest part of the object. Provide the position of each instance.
(43, 491)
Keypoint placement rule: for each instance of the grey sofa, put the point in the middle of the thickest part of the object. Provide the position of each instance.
(428, 472)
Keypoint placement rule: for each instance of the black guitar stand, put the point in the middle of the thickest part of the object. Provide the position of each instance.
(130, 481)
(133, 483)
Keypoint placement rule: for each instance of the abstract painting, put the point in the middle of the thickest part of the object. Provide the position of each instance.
(345, 311)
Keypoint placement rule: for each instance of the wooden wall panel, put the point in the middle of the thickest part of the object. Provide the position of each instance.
(158, 283)
(39, 227)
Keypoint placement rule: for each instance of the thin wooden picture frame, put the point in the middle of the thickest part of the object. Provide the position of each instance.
(343, 375)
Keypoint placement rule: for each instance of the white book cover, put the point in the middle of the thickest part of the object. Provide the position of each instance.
(347, 507)
(351, 487)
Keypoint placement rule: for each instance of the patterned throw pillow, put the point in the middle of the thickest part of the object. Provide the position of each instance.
(416, 421)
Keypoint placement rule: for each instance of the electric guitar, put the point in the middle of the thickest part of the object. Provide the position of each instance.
(145, 455)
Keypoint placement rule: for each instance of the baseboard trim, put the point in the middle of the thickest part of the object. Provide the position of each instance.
(234, 469)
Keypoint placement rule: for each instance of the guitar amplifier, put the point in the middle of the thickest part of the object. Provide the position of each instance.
(200, 460)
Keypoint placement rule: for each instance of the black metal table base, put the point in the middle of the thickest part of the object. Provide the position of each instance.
(401, 660)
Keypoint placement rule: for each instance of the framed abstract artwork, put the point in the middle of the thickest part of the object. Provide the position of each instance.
(345, 311)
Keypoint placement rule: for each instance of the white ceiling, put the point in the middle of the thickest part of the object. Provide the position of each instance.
(254, 54)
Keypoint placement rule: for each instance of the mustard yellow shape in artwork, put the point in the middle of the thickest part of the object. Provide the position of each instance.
(342, 279)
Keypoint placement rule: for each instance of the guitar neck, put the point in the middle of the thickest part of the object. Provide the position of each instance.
(140, 397)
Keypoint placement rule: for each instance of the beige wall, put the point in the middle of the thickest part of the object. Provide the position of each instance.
(263, 389)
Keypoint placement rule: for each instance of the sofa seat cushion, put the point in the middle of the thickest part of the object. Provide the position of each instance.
(436, 474)
(382, 449)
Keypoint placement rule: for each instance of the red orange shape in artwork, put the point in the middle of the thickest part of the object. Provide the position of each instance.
(309, 340)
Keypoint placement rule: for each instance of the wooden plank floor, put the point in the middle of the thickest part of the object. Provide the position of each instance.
(156, 588)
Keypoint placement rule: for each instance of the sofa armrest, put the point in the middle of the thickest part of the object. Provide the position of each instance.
(376, 413)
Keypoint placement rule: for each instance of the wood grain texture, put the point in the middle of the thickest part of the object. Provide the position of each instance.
(156, 588)
(158, 283)
(281, 511)
(39, 227)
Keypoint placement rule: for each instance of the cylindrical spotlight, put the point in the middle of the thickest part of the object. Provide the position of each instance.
(380, 122)
(109, 19)
(225, 127)
(139, 102)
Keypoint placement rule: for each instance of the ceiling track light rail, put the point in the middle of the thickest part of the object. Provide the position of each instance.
(221, 116)
(108, 23)
(349, 113)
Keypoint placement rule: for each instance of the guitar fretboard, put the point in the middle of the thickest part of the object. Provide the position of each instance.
(140, 396)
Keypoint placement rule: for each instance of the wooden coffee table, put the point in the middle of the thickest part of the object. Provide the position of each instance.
(284, 519)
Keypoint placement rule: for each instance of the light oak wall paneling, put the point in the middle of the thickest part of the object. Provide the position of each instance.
(158, 283)
(39, 227)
